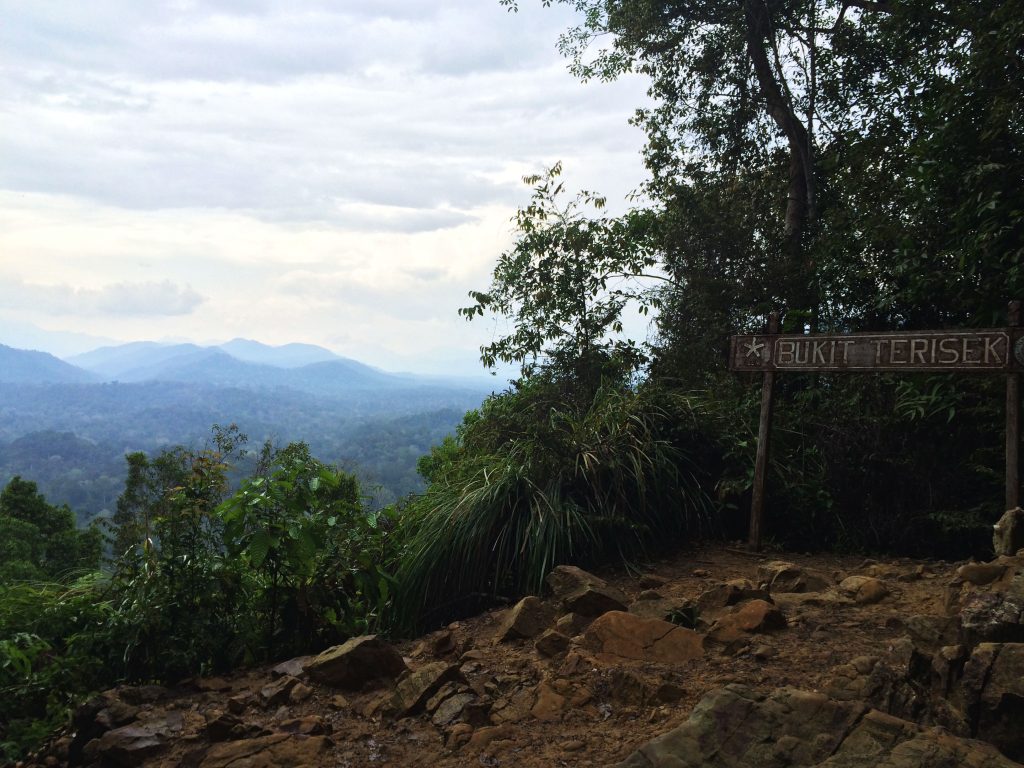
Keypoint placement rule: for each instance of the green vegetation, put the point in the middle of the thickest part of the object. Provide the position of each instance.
(534, 480)
(201, 581)
(39, 540)
(850, 163)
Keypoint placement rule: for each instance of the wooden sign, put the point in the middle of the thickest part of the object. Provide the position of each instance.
(996, 351)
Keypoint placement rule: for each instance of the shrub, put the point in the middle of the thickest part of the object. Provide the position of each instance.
(538, 482)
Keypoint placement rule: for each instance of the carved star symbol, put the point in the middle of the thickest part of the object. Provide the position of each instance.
(753, 348)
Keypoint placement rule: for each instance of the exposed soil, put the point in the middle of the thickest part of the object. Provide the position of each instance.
(577, 709)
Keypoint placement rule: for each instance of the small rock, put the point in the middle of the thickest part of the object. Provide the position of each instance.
(278, 692)
(446, 690)
(752, 617)
(339, 702)
(981, 574)
(584, 593)
(571, 624)
(213, 684)
(310, 725)
(1008, 533)
(238, 704)
(652, 581)
(129, 745)
(573, 746)
(293, 667)
(626, 687)
(458, 735)
(866, 590)
(299, 693)
(451, 709)
(552, 644)
(780, 576)
(482, 738)
(763, 652)
(729, 593)
(549, 704)
(414, 690)
(443, 643)
(526, 619)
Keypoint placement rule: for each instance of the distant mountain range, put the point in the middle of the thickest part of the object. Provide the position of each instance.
(237, 363)
(23, 366)
(68, 423)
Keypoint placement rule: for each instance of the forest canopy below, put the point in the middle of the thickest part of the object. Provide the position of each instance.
(854, 165)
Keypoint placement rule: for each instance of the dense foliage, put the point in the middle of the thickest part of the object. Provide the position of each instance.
(201, 580)
(850, 164)
(535, 479)
(71, 439)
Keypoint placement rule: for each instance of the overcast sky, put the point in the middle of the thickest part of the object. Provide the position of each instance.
(336, 172)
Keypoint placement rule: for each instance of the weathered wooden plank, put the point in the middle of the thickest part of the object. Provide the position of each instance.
(997, 350)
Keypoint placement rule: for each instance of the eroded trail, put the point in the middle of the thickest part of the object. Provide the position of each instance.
(720, 657)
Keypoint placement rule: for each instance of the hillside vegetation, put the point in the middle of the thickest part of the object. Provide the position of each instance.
(851, 165)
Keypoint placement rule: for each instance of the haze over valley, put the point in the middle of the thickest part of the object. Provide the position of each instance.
(67, 424)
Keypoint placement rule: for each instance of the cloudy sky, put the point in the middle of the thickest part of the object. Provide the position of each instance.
(337, 172)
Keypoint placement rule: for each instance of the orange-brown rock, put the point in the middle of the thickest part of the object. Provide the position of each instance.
(754, 616)
(280, 750)
(526, 619)
(623, 635)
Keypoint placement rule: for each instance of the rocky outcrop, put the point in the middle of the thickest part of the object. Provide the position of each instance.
(738, 728)
(964, 672)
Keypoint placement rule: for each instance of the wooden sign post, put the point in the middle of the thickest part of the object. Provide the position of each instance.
(994, 350)
(1013, 416)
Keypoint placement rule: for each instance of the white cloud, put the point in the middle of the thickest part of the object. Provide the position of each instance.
(339, 172)
(162, 298)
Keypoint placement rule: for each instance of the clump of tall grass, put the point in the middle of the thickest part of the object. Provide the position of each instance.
(536, 482)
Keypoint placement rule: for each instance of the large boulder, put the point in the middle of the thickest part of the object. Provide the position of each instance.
(622, 635)
(735, 727)
(356, 662)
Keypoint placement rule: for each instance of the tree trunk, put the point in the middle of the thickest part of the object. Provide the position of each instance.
(800, 208)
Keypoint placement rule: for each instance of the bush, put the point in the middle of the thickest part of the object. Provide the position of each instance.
(537, 482)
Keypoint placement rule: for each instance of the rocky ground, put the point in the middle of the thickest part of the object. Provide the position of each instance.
(717, 657)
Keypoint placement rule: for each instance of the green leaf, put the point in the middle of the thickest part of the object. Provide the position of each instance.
(259, 547)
